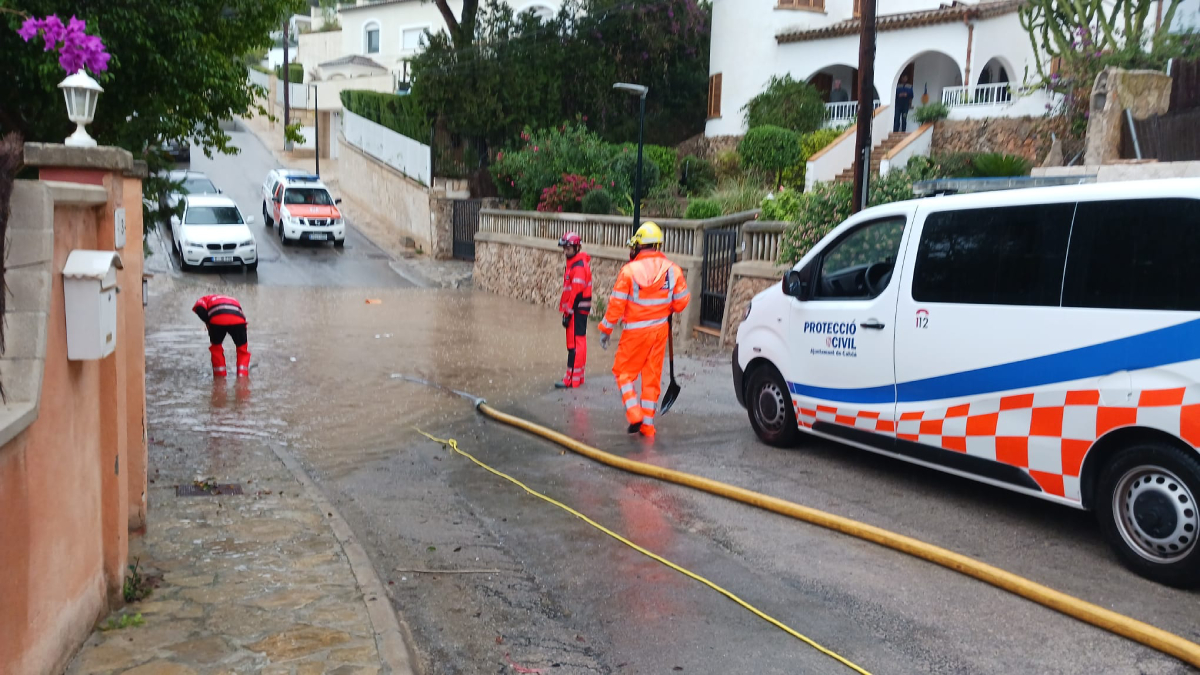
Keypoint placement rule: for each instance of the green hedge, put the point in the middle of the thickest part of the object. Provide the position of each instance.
(398, 113)
(295, 73)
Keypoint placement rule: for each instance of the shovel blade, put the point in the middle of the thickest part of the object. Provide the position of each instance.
(670, 397)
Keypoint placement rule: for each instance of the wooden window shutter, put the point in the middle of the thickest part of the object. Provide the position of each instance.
(857, 8)
(714, 96)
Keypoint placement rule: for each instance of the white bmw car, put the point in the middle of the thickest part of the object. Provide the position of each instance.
(212, 232)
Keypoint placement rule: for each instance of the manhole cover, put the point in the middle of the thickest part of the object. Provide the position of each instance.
(194, 490)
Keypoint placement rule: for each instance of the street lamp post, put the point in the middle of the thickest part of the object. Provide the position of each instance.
(641, 92)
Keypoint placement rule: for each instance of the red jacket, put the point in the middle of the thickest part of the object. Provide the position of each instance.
(577, 286)
(220, 310)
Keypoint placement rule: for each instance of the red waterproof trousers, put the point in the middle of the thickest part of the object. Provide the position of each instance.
(576, 350)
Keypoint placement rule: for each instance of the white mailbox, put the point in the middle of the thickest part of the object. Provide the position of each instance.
(90, 287)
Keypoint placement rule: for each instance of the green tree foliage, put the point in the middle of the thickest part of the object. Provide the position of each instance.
(521, 72)
(622, 172)
(544, 156)
(997, 165)
(175, 73)
(664, 158)
(786, 103)
(770, 149)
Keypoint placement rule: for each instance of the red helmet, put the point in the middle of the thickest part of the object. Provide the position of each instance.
(570, 239)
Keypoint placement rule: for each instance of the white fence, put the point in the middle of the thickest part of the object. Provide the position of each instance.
(299, 94)
(845, 112)
(981, 94)
(410, 157)
(260, 78)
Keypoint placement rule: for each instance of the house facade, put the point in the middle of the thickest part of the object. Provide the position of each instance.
(390, 32)
(972, 56)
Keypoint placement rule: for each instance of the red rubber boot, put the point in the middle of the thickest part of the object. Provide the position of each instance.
(218, 360)
(243, 361)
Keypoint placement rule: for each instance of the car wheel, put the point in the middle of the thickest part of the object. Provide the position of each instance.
(340, 243)
(267, 217)
(252, 267)
(769, 405)
(1146, 503)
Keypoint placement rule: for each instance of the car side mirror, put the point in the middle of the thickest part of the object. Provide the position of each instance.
(220, 191)
(795, 284)
(337, 201)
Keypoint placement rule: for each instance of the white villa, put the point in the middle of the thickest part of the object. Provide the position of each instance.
(963, 54)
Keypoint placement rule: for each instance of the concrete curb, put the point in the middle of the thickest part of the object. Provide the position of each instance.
(393, 638)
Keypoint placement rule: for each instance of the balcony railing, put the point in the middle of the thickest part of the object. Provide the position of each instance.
(999, 93)
(845, 112)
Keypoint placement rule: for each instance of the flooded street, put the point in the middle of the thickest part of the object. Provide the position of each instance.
(489, 579)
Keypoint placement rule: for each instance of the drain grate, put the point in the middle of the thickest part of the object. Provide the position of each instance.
(210, 490)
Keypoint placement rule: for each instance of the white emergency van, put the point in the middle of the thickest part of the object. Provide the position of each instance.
(1043, 340)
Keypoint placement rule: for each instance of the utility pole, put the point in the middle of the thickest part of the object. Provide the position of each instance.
(866, 108)
(287, 98)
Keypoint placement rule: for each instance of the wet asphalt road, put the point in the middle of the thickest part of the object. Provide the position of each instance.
(542, 589)
(358, 264)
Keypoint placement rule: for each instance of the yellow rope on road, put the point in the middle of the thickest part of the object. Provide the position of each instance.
(453, 445)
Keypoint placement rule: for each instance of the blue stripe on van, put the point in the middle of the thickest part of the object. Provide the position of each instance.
(1165, 346)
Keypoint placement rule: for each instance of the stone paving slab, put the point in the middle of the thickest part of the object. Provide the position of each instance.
(257, 583)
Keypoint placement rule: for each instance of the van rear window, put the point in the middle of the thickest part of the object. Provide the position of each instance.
(995, 256)
(1135, 254)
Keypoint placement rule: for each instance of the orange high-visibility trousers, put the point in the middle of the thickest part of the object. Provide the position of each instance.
(640, 353)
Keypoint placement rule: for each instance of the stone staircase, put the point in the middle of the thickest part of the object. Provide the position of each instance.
(877, 154)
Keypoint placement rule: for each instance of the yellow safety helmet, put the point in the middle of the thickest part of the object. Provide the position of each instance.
(649, 233)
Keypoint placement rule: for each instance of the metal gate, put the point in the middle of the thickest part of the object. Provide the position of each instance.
(720, 253)
(465, 225)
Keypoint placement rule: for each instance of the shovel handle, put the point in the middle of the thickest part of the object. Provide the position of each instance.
(671, 344)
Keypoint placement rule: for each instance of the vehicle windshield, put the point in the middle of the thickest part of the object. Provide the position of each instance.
(310, 196)
(198, 186)
(212, 215)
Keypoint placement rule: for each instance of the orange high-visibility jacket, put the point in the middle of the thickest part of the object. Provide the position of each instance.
(647, 291)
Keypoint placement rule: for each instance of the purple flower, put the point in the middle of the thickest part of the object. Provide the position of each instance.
(1048, 106)
(76, 49)
(30, 28)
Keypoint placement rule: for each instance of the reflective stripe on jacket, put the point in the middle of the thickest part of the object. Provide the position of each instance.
(648, 290)
(577, 285)
(220, 310)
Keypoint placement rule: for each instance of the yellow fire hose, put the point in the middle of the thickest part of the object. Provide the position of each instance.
(1138, 631)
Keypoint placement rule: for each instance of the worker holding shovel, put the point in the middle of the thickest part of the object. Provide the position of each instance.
(649, 289)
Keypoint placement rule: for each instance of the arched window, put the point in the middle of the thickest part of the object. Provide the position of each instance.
(371, 37)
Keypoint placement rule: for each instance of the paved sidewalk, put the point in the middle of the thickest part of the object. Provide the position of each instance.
(417, 268)
(267, 582)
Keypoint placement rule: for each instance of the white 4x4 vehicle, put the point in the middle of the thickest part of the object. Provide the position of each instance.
(300, 206)
(212, 232)
(1045, 341)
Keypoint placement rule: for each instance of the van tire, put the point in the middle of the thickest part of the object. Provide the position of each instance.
(1146, 504)
(769, 406)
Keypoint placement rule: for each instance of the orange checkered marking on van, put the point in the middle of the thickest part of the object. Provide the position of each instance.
(1046, 433)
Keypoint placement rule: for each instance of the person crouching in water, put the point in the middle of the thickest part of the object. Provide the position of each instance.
(223, 315)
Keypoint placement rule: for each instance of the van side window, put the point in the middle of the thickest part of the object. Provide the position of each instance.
(1135, 254)
(994, 256)
(860, 265)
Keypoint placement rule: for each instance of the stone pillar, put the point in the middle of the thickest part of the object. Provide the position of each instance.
(1143, 92)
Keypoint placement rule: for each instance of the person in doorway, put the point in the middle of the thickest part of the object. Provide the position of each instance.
(837, 94)
(223, 315)
(576, 306)
(904, 100)
(648, 290)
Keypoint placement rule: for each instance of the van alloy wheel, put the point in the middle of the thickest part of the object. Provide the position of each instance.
(1156, 514)
(769, 407)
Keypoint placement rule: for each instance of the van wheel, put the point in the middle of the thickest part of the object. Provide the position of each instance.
(769, 405)
(1146, 503)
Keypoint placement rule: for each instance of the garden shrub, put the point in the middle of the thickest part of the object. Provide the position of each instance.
(931, 112)
(598, 202)
(567, 195)
(786, 103)
(702, 209)
(542, 157)
(955, 164)
(663, 201)
(728, 165)
(997, 165)
(737, 195)
(810, 144)
(770, 149)
(697, 176)
(783, 205)
(664, 158)
(622, 172)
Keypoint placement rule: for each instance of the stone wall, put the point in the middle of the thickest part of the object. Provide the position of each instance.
(1142, 92)
(747, 281)
(531, 269)
(1028, 137)
(708, 147)
(393, 199)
